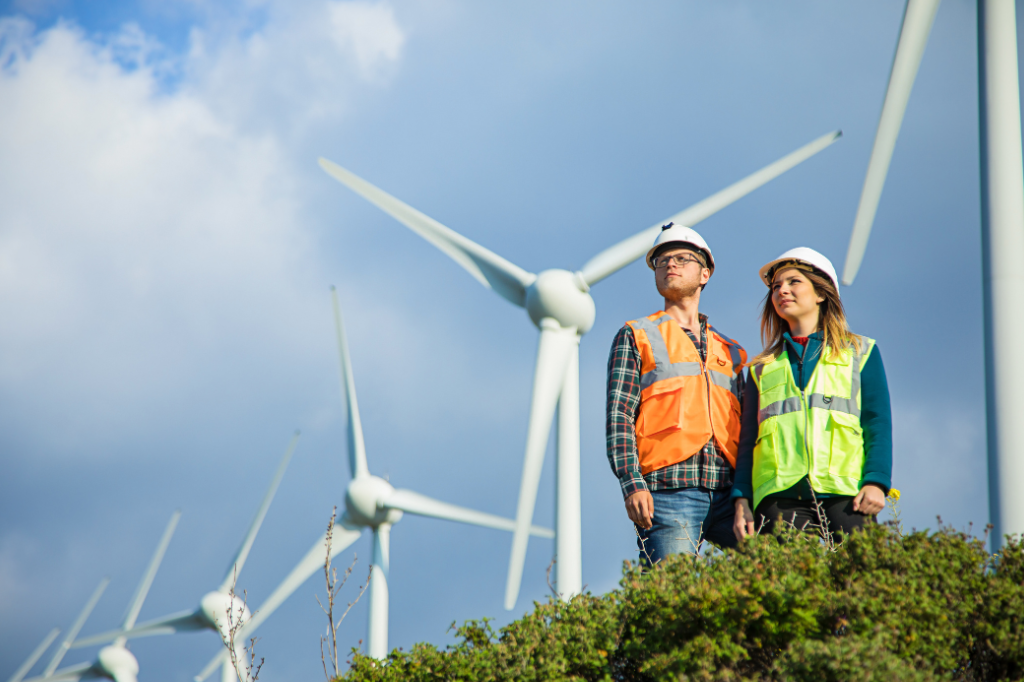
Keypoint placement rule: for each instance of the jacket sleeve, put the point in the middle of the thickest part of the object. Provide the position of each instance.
(876, 422)
(623, 404)
(742, 485)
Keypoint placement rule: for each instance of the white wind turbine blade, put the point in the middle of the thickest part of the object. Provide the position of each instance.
(235, 567)
(168, 625)
(135, 605)
(73, 632)
(345, 534)
(415, 503)
(182, 621)
(34, 656)
(552, 354)
(356, 445)
(69, 674)
(620, 255)
(507, 279)
(918, 18)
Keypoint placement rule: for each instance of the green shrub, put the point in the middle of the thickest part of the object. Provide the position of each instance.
(880, 606)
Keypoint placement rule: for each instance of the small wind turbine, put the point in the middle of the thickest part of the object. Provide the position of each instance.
(113, 662)
(213, 607)
(370, 503)
(1002, 229)
(559, 304)
(51, 667)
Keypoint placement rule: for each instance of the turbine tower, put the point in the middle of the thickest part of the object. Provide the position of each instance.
(370, 503)
(211, 614)
(1002, 229)
(558, 302)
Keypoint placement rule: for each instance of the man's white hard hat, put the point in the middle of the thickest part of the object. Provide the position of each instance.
(684, 235)
(801, 254)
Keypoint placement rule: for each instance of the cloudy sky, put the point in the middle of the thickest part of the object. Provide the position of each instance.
(167, 244)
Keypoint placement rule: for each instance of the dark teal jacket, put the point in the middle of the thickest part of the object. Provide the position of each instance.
(875, 420)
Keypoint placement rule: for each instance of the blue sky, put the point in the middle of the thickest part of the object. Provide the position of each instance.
(167, 245)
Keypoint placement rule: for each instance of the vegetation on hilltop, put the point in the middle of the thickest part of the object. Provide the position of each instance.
(879, 606)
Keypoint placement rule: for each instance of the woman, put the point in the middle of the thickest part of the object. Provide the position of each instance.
(817, 427)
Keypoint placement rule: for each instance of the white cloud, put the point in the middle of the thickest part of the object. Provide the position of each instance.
(300, 67)
(369, 31)
(143, 230)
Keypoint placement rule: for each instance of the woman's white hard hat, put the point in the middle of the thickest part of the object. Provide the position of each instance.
(801, 254)
(682, 234)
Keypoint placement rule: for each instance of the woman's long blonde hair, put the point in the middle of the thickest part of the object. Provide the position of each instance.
(831, 320)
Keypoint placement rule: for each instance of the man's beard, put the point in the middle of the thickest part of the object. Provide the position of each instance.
(678, 289)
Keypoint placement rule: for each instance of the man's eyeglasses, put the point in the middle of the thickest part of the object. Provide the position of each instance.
(679, 261)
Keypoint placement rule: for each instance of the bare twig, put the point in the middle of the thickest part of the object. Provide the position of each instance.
(551, 585)
(643, 546)
(695, 545)
(334, 586)
(235, 624)
(826, 534)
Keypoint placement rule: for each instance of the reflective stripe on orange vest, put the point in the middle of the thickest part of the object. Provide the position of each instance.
(685, 402)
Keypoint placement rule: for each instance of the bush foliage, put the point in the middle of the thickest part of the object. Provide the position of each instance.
(879, 606)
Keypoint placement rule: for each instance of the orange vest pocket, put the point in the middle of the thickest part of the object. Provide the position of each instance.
(660, 412)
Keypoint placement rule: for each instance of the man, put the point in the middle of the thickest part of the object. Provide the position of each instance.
(674, 390)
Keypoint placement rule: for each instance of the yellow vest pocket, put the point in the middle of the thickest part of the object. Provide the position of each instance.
(847, 445)
(766, 459)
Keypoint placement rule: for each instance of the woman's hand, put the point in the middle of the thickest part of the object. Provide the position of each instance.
(743, 524)
(870, 500)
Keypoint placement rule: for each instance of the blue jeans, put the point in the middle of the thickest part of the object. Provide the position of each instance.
(682, 518)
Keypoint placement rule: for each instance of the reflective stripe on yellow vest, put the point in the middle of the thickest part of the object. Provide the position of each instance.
(815, 432)
(684, 402)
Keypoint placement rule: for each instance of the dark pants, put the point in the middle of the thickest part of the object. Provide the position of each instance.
(838, 512)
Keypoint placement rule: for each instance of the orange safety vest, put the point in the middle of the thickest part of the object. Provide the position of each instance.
(683, 401)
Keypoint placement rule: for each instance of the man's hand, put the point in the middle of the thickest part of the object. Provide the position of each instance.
(870, 500)
(640, 508)
(743, 524)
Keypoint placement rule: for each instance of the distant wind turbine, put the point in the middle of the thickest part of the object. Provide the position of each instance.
(113, 662)
(211, 613)
(370, 503)
(559, 304)
(62, 649)
(1002, 229)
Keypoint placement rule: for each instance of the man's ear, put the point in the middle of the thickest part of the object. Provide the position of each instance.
(705, 275)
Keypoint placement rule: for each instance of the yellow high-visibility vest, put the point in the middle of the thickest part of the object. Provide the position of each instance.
(815, 432)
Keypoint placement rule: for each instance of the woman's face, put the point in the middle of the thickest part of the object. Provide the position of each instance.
(794, 296)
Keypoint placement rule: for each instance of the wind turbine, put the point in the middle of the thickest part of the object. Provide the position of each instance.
(559, 304)
(113, 662)
(64, 645)
(1002, 229)
(370, 503)
(212, 611)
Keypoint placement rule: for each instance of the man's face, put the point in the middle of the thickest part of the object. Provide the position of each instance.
(678, 273)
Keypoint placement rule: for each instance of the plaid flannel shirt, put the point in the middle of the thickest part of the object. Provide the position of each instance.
(707, 469)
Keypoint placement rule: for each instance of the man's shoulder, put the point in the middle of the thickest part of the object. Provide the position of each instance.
(625, 334)
(726, 339)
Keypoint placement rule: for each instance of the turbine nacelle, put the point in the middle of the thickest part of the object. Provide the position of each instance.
(214, 609)
(564, 297)
(117, 663)
(366, 501)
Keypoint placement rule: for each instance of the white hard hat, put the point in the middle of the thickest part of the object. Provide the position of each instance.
(683, 234)
(805, 255)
